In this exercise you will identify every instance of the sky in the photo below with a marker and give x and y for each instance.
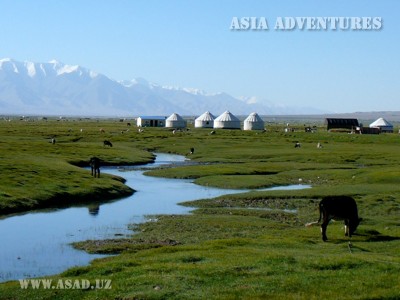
(191, 44)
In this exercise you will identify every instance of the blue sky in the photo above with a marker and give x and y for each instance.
(190, 44)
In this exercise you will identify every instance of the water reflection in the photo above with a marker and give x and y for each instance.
(38, 243)
(94, 209)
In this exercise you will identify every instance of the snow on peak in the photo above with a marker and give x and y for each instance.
(68, 69)
(141, 81)
(9, 64)
(53, 67)
(93, 74)
(138, 81)
(7, 59)
(193, 91)
(54, 62)
(61, 68)
(30, 66)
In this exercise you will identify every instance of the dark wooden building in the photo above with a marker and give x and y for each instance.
(368, 130)
(333, 123)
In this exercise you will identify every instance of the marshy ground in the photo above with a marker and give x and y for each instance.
(244, 246)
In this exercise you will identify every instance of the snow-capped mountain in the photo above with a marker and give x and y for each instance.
(54, 88)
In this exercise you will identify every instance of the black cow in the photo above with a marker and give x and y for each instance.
(107, 143)
(338, 208)
(94, 163)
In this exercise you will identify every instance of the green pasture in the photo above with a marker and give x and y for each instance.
(252, 245)
(37, 174)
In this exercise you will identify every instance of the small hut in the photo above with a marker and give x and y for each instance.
(151, 121)
(206, 120)
(382, 124)
(175, 121)
(253, 122)
(227, 121)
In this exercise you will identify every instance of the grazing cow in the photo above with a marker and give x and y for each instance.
(297, 145)
(191, 150)
(338, 208)
(53, 141)
(94, 163)
(107, 143)
(212, 132)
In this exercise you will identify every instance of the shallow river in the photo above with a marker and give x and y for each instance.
(38, 243)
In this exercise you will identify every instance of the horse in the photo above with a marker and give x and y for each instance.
(94, 163)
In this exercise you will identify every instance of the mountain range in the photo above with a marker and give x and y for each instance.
(54, 88)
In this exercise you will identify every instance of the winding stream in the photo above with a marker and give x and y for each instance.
(38, 243)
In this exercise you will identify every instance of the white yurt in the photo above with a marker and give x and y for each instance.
(175, 121)
(206, 120)
(227, 121)
(253, 122)
(382, 124)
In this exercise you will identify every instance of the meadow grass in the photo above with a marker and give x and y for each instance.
(38, 174)
(252, 245)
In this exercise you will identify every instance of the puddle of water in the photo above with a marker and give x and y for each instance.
(38, 243)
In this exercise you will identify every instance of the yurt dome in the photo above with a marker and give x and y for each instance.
(206, 120)
(175, 121)
(253, 122)
(227, 121)
(382, 124)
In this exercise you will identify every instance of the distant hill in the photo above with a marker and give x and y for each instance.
(54, 88)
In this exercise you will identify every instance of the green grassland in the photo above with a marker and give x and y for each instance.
(37, 174)
(252, 245)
